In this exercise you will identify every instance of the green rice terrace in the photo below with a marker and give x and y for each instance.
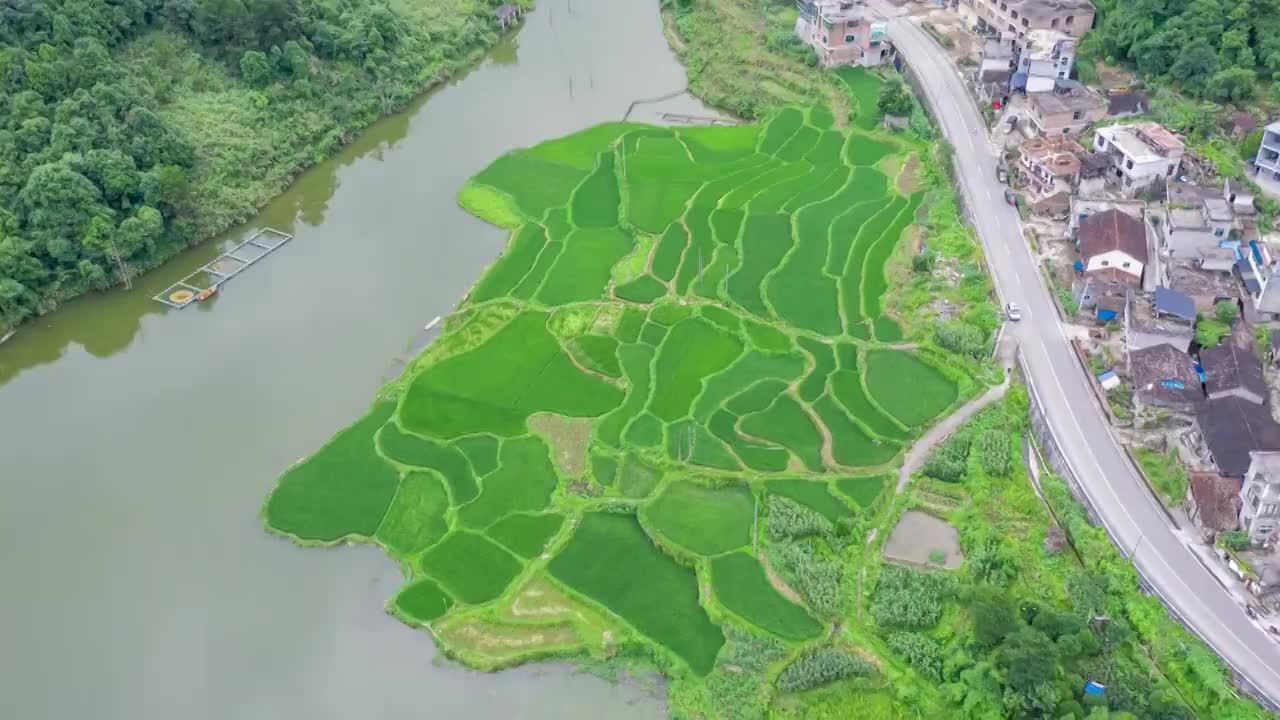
(674, 396)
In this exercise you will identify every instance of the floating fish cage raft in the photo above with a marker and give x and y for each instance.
(203, 283)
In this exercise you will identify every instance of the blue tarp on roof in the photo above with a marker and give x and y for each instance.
(1106, 374)
(1106, 315)
(1175, 303)
(1018, 81)
(1078, 265)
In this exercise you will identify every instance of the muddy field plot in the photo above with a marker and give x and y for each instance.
(922, 539)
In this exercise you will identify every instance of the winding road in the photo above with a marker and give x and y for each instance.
(1127, 509)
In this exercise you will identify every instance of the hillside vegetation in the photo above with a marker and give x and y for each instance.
(1224, 50)
(132, 128)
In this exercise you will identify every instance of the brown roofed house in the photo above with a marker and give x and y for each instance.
(1164, 376)
(1113, 247)
(1230, 370)
(1233, 427)
(1213, 501)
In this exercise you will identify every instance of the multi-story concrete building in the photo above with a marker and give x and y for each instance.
(1258, 271)
(1197, 219)
(1142, 154)
(1267, 164)
(1068, 109)
(1050, 164)
(1073, 17)
(842, 32)
(1260, 511)
(1041, 59)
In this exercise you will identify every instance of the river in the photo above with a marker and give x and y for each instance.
(137, 443)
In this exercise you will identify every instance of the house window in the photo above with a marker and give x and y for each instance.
(1063, 75)
(1125, 264)
(1066, 130)
(1106, 263)
(1129, 164)
(1077, 115)
(1015, 14)
(1101, 142)
(850, 38)
(1054, 23)
(1172, 166)
(824, 39)
(1071, 19)
(1025, 23)
(1218, 232)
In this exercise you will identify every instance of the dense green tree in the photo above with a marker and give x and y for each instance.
(99, 173)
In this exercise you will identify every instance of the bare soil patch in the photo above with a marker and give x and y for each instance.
(569, 438)
(502, 640)
(909, 180)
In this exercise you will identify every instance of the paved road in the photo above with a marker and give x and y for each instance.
(1127, 509)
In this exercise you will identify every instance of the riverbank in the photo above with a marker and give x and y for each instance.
(230, 128)
(194, 413)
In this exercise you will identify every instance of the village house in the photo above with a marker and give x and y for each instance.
(1042, 58)
(1068, 109)
(1200, 219)
(1233, 371)
(1257, 272)
(1113, 247)
(1165, 377)
(843, 33)
(1073, 17)
(1165, 316)
(1142, 155)
(1267, 163)
(1260, 509)
(1213, 501)
(995, 66)
(1205, 286)
(1050, 164)
(1232, 428)
(1094, 171)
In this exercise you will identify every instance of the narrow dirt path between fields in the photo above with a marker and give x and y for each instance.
(920, 450)
(778, 583)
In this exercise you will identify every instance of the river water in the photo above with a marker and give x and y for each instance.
(137, 443)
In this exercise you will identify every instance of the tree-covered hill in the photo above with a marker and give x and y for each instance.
(132, 128)
(1213, 49)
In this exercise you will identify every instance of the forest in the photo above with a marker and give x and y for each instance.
(1222, 50)
(130, 129)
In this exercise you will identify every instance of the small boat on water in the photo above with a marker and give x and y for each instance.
(207, 293)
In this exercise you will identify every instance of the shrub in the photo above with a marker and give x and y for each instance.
(961, 339)
(949, 460)
(1226, 311)
(993, 452)
(814, 576)
(1070, 305)
(922, 653)
(819, 666)
(895, 98)
(924, 262)
(749, 651)
(1235, 539)
(907, 598)
(788, 519)
(1210, 332)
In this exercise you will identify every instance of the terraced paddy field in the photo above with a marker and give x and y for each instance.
(680, 362)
